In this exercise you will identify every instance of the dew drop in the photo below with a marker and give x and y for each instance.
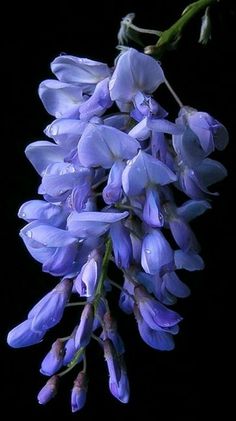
(23, 214)
(161, 218)
(147, 251)
(29, 234)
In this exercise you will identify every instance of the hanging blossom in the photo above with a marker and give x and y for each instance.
(134, 160)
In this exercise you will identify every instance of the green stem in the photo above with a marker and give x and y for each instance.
(103, 275)
(84, 363)
(173, 34)
(78, 303)
(73, 363)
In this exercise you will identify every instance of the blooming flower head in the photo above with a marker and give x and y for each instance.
(109, 172)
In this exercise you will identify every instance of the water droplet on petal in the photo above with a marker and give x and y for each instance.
(23, 214)
(29, 234)
(147, 251)
(161, 218)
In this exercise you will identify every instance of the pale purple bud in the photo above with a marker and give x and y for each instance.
(84, 331)
(49, 390)
(54, 359)
(112, 361)
(120, 390)
(79, 392)
(49, 311)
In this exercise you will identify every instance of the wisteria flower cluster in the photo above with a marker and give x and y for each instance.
(110, 174)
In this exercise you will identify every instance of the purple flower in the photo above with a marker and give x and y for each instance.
(54, 359)
(209, 132)
(95, 224)
(112, 193)
(49, 311)
(53, 247)
(49, 390)
(155, 314)
(156, 252)
(98, 103)
(107, 184)
(69, 349)
(79, 392)
(156, 338)
(84, 331)
(23, 335)
(81, 71)
(112, 360)
(102, 145)
(143, 171)
(39, 210)
(85, 283)
(126, 301)
(121, 244)
(121, 389)
(61, 99)
(134, 72)
(110, 332)
(152, 213)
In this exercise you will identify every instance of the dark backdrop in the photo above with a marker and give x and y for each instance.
(193, 379)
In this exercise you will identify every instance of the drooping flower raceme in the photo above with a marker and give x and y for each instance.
(134, 161)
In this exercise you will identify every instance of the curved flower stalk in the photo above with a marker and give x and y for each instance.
(134, 160)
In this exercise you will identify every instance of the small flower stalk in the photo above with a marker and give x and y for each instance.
(108, 189)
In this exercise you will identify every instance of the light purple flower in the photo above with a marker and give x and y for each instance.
(84, 331)
(155, 314)
(86, 281)
(156, 252)
(156, 338)
(144, 170)
(54, 359)
(61, 99)
(23, 335)
(79, 392)
(121, 389)
(121, 244)
(49, 391)
(49, 310)
(81, 71)
(88, 224)
(134, 72)
(102, 145)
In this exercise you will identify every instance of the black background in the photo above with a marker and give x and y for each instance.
(194, 379)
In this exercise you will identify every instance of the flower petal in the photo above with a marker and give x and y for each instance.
(142, 170)
(175, 286)
(101, 145)
(43, 153)
(192, 209)
(69, 68)
(86, 224)
(61, 99)
(134, 72)
(43, 211)
(156, 252)
(188, 261)
(22, 335)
